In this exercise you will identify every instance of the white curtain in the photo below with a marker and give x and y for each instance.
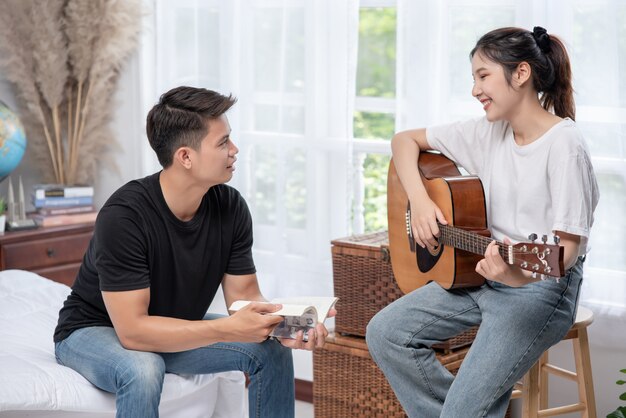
(292, 64)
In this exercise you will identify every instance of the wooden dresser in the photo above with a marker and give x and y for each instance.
(53, 252)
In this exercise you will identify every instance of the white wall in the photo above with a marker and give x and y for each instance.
(129, 128)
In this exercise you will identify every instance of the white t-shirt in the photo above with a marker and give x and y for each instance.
(545, 186)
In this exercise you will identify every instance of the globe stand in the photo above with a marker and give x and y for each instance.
(16, 212)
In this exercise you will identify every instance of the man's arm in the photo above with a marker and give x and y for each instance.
(137, 330)
(243, 287)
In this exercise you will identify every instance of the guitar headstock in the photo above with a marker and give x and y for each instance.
(545, 259)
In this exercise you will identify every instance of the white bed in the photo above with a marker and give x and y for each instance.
(32, 383)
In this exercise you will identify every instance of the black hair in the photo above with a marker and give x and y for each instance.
(180, 119)
(548, 60)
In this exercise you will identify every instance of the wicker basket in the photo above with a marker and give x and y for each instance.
(347, 383)
(364, 283)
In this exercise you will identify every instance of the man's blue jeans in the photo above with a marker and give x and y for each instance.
(136, 377)
(516, 326)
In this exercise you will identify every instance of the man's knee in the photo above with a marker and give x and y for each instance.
(270, 356)
(277, 354)
(146, 370)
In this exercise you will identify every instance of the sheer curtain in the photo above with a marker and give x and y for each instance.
(293, 66)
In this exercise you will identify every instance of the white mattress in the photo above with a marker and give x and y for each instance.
(32, 382)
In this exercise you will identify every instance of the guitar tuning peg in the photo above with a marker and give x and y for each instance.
(544, 238)
(532, 237)
(557, 239)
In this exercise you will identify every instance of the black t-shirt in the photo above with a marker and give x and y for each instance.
(138, 243)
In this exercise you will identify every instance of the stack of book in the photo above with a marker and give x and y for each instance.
(58, 204)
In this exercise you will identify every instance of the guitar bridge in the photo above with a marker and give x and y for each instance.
(409, 230)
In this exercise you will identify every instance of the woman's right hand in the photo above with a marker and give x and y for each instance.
(424, 216)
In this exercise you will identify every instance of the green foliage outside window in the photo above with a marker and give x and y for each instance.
(375, 172)
(372, 125)
(376, 71)
(376, 77)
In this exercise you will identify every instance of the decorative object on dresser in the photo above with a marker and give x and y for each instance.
(64, 59)
(12, 141)
(16, 211)
(59, 204)
(55, 252)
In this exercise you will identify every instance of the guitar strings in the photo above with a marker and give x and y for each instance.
(474, 240)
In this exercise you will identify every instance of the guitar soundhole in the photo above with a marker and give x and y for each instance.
(427, 258)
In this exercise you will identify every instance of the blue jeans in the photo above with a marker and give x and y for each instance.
(136, 377)
(516, 326)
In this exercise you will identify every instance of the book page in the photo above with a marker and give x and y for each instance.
(286, 310)
(322, 304)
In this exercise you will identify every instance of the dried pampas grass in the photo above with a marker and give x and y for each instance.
(64, 59)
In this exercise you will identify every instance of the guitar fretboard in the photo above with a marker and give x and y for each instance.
(470, 241)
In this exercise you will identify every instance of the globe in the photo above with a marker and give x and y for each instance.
(12, 141)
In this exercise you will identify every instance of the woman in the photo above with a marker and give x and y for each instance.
(537, 176)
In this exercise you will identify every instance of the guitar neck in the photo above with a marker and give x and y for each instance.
(471, 241)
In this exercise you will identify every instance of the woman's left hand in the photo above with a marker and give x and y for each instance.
(494, 268)
(316, 337)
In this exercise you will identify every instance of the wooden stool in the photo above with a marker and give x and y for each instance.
(534, 388)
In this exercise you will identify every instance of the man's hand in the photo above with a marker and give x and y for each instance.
(316, 337)
(252, 324)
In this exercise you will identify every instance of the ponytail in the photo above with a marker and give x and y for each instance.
(559, 96)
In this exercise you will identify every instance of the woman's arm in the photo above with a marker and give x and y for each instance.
(405, 148)
(494, 268)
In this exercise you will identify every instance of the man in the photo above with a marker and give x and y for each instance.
(162, 245)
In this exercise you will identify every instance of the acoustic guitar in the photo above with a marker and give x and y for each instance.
(463, 241)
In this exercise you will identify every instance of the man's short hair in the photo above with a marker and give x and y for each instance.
(181, 119)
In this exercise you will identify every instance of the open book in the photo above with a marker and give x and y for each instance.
(301, 314)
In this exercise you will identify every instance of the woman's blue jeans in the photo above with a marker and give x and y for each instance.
(136, 377)
(516, 326)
